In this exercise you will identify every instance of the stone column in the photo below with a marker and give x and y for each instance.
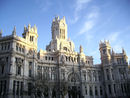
(88, 91)
(42, 72)
(10, 88)
(50, 92)
(93, 89)
(110, 74)
(112, 89)
(92, 75)
(105, 77)
(98, 89)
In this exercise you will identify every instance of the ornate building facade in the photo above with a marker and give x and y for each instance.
(59, 71)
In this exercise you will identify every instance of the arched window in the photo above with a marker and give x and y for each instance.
(65, 48)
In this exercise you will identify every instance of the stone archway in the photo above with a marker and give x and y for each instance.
(73, 89)
(73, 77)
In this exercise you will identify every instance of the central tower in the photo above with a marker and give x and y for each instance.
(59, 41)
(59, 29)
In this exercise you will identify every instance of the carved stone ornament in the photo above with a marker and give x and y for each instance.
(2, 61)
(19, 62)
(122, 71)
(63, 59)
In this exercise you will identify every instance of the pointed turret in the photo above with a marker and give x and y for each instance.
(14, 31)
(0, 33)
(81, 49)
(29, 27)
(123, 51)
(25, 28)
(113, 52)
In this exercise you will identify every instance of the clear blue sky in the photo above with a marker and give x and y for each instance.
(89, 21)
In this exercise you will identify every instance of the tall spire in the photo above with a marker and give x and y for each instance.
(123, 51)
(81, 49)
(29, 27)
(14, 31)
(113, 51)
(0, 33)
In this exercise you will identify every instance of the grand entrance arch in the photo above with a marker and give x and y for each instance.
(74, 86)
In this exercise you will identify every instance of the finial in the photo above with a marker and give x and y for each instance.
(57, 18)
(29, 26)
(64, 18)
(81, 49)
(14, 31)
(25, 28)
(35, 26)
(108, 41)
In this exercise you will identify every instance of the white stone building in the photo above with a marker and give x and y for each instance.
(59, 70)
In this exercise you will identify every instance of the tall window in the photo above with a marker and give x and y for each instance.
(101, 91)
(115, 88)
(107, 73)
(17, 91)
(31, 38)
(18, 70)
(90, 91)
(21, 89)
(86, 90)
(30, 69)
(2, 69)
(104, 51)
(1, 83)
(109, 89)
(14, 84)
(96, 92)
(63, 74)
(29, 88)
(3, 87)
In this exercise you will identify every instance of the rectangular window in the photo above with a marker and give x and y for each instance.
(86, 90)
(1, 84)
(17, 92)
(30, 38)
(16, 48)
(20, 49)
(23, 50)
(29, 88)
(96, 92)
(2, 47)
(101, 91)
(19, 70)
(45, 57)
(115, 88)
(30, 69)
(52, 58)
(4, 87)
(2, 70)
(14, 83)
(109, 88)
(90, 90)
(8, 46)
(21, 90)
